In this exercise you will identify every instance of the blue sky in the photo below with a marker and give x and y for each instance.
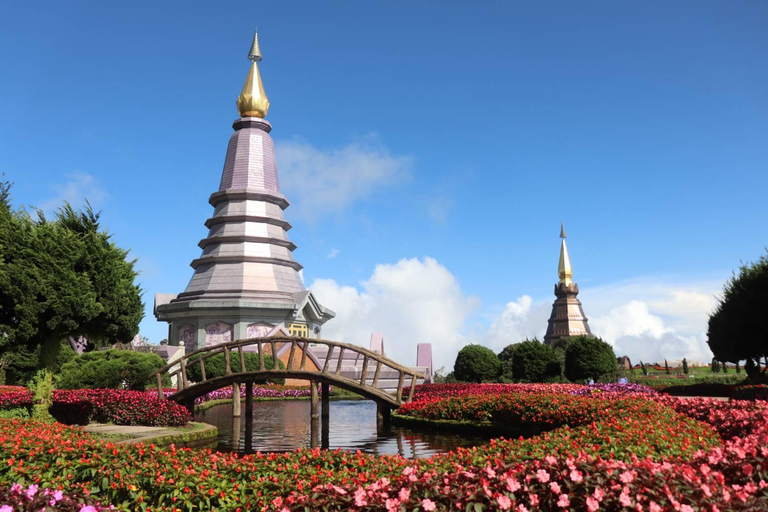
(429, 152)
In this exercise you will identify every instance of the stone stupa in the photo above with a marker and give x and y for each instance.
(246, 282)
(567, 318)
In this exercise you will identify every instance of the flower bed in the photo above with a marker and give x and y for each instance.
(121, 407)
(448, 390)
(32, 497)
(258, 392)
(703, 455)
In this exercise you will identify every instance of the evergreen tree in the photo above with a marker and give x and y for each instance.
(685, 366)
(666, 366)
(60, 278)
(715, 365)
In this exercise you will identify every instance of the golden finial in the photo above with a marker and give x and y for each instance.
(253, 101)
(564, 268)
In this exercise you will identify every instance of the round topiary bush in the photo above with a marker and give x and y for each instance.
(535, 362)
(588, 358)
(476, 363)
(215, 366)
(113, 369)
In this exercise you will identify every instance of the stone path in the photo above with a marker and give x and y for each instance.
(139, 434)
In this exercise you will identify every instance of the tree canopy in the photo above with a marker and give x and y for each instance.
(533, 361)
(60, 278)
(738, 328)
(588, 358)
(476, 363)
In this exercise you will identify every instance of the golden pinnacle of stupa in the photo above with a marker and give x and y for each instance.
(253, 101)
(564, 268)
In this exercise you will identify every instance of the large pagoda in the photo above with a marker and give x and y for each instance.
(246, 282)
(567, 318)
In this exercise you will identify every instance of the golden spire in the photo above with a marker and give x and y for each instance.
(564, 269)
(253, 101)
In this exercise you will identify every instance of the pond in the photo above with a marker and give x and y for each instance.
(284, 425)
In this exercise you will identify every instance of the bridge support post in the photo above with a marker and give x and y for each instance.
(236, 400)
(326, 398)
(313, 395)
(383, 415)
(249, 416)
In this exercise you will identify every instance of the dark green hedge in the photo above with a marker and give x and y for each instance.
(111, 369)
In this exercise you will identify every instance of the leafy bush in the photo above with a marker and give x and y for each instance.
(16, 412)
(476, 363)
(588, 358)
(215, 366)
(42, 389)
(505, 357)
(535, 362)
(111, 369)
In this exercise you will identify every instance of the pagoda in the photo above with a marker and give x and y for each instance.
(567, 318)
(246, 282)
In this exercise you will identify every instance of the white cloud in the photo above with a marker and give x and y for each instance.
(333, 253)
(413, 301)
(78, 187)
(416, 301)
(439, 208)
(326, 181)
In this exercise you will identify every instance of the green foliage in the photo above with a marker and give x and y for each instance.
(17, 412)
(685, 366)
(535, 362)
(42, 398)
(215, 366)
(666, 367)
(588, 358)
(60, 278)
(505, 358)
(476, 363)
(738, 328)
(716, 365)
(642, 367)
(440, 377)
(110, 369)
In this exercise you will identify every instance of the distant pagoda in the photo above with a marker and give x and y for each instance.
(567, 318)
(246, 282)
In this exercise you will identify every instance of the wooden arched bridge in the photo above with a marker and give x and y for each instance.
(299, 362)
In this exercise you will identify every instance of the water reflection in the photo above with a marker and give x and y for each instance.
(280, 426)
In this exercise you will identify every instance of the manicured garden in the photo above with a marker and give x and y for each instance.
(602, 447)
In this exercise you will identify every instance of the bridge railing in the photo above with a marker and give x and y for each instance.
(296, 365)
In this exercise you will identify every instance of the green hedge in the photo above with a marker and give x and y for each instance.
(476, 363)
(111, 369)
(215, 366)
(587, 357)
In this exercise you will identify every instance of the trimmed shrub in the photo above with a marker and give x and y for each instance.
(535, 362)
(215, 366)
(505, 357)
(476, 363)
(111, 369)
(588, 358)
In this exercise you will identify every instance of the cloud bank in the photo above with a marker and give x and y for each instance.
(419, 300)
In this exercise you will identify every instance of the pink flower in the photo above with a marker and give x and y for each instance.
(542, 476)
(576, 476)
(592, 504)
(563, 502)
(392, 505)
(626, 477)
(625, 500)
(512, 484)
(428, 505)
(747, 469)
(31, 491)
(6, 508)
(404, 494)
(88, 508)
(654, 507)
(550, 459)
(522, 508)
(504, 502)
(598, 494)
(360, 496)
(58, 496)
(554, 487)
(686, 508)
(534, 499)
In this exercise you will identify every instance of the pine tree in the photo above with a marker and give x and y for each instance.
(685, 366)
(715, 366)
(666, 366)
